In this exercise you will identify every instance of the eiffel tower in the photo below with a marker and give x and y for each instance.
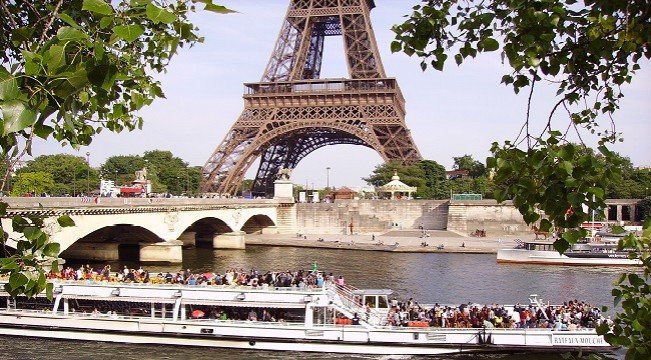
(292, 112)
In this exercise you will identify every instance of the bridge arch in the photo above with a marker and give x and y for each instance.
(257, 223)
(157, 227)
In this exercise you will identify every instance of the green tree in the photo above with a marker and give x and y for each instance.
(166, 169)
(69, 172)
(71, 69)
(121, 168)
(474, 167)
(645, 207)
(35, 183)
(437, 185)
(588, 51)
(412, 175)
(193, 179)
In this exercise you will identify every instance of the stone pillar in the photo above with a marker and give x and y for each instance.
(284, 191)
(94, 251)
(167, 251)
(632, 212)
(269, 230)
(188, 239)
(231, 240)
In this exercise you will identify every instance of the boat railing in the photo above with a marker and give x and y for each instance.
(347, 298)
(186, 286)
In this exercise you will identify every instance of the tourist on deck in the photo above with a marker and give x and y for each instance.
(253, 316)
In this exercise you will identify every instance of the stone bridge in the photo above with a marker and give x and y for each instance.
(151, 230)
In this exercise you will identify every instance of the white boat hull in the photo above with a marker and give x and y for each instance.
(274, 337)
(523, 256)
(167, 322)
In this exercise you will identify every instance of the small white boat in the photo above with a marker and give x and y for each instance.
(313, 320)
(594, 252)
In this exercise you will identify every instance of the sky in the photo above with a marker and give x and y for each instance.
(459, 111)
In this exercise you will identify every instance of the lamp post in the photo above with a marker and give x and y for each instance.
(145, 178)
(328, 177)
(88, 173)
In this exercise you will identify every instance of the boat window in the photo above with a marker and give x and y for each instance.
(370, 300)
(383, 303)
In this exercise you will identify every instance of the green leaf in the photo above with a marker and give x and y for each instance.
(98, 7)
(17, 116)
(458, 59)
(561, 245)
(157, 15)
(32, 233)
(8, 85)
(489, 44)
(42, 131)
(571, 236)
(217, 8)
(49, 289)
(68, 19)
(23, 34)
(52, 249)
(32, 62)
(395, 46)
(8, 264)
(106, 22)
(65, 221)
(128, 33)
(16, 280)
(67, 33)
(57, 57)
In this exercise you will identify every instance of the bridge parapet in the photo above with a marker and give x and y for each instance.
(55, 206)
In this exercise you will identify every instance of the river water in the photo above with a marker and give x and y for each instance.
(427, 277)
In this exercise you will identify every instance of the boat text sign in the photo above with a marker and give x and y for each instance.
(587, 340)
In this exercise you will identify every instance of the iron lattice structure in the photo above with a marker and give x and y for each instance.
(292, 112)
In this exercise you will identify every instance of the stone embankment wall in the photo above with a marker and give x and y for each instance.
(380, 216)
(370, 216)
(495, 219)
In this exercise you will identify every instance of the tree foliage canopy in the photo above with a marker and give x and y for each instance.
(71, 174)
(588, 50)
(71, 69)
(35, 183)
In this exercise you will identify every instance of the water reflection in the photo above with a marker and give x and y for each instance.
(429, 277)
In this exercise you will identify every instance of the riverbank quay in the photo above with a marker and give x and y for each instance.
(394, 241)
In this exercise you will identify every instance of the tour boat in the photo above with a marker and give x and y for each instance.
(598, 251)
(306, 320)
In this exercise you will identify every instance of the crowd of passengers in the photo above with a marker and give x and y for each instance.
(300, 279)
(571, 315)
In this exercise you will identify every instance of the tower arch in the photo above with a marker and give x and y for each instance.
(292, 111)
